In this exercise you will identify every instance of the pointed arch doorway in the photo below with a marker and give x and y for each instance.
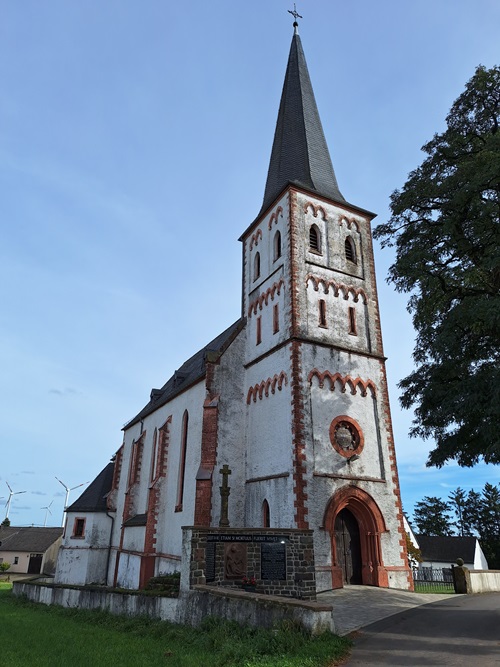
(355, 524)
(348, 547)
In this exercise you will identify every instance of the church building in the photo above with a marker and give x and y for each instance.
(292, 397)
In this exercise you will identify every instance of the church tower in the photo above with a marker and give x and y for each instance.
(319, 445)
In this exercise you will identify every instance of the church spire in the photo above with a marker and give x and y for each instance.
(299, 154)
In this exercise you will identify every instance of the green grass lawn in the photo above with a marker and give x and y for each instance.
(33, 635)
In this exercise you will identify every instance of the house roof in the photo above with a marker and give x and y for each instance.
(190, 372)
(28, 539)
(93, 499)
(447, 549)
(137, 520)
(299, 154)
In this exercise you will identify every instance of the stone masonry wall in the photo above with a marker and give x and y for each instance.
(212, 549)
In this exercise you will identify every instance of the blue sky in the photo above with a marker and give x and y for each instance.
(134, 145)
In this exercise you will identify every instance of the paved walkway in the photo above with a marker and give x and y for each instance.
(357, 606)
(461, 631)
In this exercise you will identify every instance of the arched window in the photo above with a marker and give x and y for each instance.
(266, 515)
(277, 245)
(256, 266)
(314, 239)
(322, 313)
(182, 462)
(350, 250)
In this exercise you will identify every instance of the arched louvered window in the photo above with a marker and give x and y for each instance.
(256, 266)
(277, 245)
(266, 515)
(350, 250)
(314, 239)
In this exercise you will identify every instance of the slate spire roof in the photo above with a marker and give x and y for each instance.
(299, 154)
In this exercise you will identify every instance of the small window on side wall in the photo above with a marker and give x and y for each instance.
(350, 250)
(277, 245)
(314, 239)
(79, 528)
(256, 266)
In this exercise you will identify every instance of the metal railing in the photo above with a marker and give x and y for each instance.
(433, 580)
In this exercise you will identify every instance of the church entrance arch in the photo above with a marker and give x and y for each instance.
(348, 547)
(355, 524)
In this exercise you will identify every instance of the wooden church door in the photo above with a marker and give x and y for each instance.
(348, 546)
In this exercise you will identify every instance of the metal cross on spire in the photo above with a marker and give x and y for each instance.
(295, 15)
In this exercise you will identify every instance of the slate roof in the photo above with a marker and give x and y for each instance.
(31, 539)
(447, 549)
(93, 499)
(300, 154)
(190, 372)
(137, 520)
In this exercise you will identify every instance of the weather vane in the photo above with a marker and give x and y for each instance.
(295, 15)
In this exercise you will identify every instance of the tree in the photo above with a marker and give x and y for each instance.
(471, 514)
(414, 554)
(458, 504)
(445, 226)
(5, 522)
(432, 517)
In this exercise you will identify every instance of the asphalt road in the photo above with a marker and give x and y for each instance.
(460, 630)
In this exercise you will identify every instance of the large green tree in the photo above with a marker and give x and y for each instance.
(445, 227)
(432, 517)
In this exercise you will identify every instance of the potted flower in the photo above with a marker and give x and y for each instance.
(248, 583)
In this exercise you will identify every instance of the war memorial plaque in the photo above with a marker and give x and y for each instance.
(273, 561)
(210, 562)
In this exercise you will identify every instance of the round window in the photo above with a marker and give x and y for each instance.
(346, 436)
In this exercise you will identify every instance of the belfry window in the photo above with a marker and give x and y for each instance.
(314, 239)
(350, 250)
(322, 313)
(256, 266)
(277, 245)
(352, 321)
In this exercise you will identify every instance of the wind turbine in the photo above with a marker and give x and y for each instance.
(68, 489)
(11, 493)
(47, 511)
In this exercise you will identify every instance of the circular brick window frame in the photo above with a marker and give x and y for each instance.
(347, 453)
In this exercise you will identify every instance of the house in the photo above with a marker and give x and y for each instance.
(290, 400)
(30, 550)
(442, 552)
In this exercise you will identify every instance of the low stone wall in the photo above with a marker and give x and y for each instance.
(484, 581)
(191, 607)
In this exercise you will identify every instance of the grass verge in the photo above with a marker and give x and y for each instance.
(42, 636)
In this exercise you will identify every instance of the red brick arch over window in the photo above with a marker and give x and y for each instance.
(371, 525)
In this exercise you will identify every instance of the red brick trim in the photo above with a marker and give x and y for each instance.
(203, 497)
(315, 210)
(343, 380)
(337, 288)
(263, 298)
(274, 217)
(350, 222)
(298, 439)
(154, 492)
(255, 238)
(258, 390)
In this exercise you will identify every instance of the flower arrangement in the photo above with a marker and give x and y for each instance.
(248, 581)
